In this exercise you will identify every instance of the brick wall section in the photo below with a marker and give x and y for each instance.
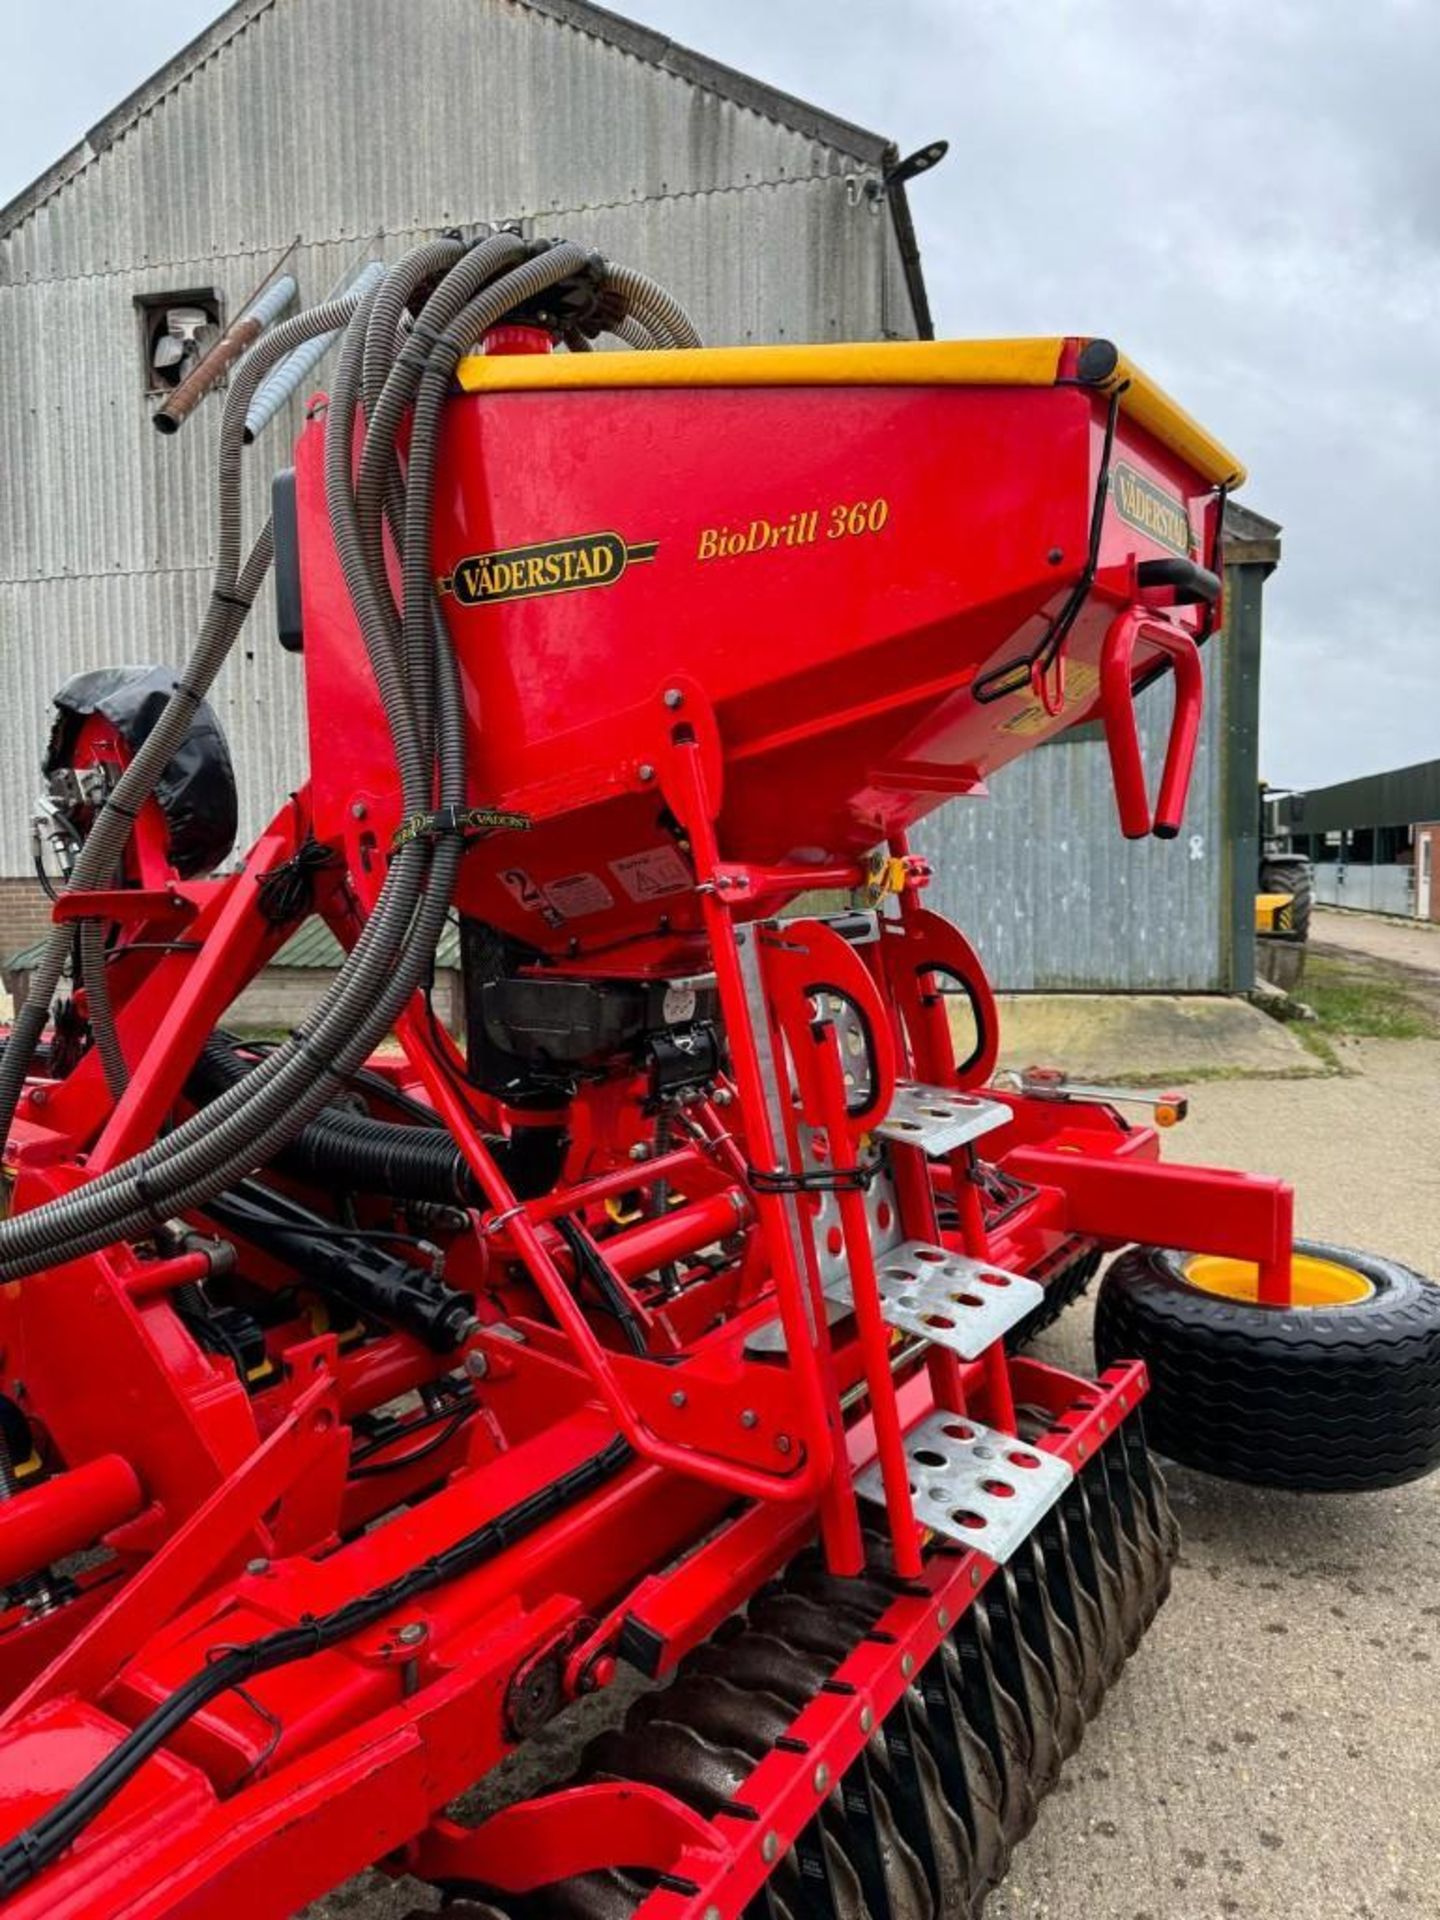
(278, 1000)
(24, 915)
(281, 997)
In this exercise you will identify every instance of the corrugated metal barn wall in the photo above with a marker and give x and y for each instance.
(358, 124)
(1040, 879)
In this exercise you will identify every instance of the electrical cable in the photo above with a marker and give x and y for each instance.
(32, 1850)
(590, 1264)
(363, 1468)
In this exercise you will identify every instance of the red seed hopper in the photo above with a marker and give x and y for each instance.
(873, 575)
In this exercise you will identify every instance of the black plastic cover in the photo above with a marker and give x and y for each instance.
(196, 792)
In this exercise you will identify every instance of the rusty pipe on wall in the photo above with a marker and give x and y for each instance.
(235, 341)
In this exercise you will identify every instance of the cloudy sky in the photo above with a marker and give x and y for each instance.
(1246, 196)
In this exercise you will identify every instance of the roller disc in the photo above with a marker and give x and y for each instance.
(923, 1823)
(999, 1722)
(1099, 1579)
(1054, 1642)
(1025, 1677)
(1106, 1497)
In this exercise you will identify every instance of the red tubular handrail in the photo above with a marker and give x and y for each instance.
(1122, 736)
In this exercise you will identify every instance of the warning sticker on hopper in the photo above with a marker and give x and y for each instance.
(568, 899)
(1081, 680)
(652, 874)
(578, 894)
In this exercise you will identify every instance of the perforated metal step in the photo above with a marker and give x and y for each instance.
(939, 1119)
(972, 1484)
(945, 1297)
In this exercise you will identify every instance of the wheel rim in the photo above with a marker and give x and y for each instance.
(1314, 1283)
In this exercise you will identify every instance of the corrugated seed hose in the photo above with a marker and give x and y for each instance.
(389, 372)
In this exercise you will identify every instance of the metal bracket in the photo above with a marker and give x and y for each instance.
(974, 1485)
(939, 1119)
(946, 1298)
(1051, 1083)
(770, 1338)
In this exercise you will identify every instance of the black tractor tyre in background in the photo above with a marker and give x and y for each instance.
(1319, 1399)
(1292, 874)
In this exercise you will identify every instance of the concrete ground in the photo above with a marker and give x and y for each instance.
(1272, 1752)
(1410, 945)
(1147, 1037)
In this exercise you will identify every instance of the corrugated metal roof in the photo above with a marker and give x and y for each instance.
(1404, 797)
(624, 36)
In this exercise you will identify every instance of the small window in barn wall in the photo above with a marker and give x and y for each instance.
(177, 330)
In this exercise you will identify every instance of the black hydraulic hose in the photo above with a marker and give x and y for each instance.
(401, 1159)
(41, 1843)
(590, 1264)
(373, 1279)
(353, 1149)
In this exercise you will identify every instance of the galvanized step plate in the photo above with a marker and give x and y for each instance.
(945, 1297)
(984, 1489)
(939, 1119)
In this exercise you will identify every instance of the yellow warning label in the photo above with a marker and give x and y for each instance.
(1081, 680)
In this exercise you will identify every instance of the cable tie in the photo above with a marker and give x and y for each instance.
(501, 1220)
(148, 1198)
(856, 1179)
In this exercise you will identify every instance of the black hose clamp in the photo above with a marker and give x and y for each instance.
(465, 823)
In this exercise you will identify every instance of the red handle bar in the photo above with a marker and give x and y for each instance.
(1122, 736)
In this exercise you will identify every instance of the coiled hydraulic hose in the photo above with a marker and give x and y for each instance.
(353, 1149)
(376, 981)
(416, 672)
(101, 1013)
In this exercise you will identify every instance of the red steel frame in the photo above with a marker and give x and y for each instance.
(227, 1513)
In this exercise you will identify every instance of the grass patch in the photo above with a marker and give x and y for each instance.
(1352, 998)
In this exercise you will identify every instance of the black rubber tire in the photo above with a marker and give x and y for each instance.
(1292, 874)
(1324, 1400)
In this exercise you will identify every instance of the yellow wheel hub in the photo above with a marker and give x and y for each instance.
(1313, 1282)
